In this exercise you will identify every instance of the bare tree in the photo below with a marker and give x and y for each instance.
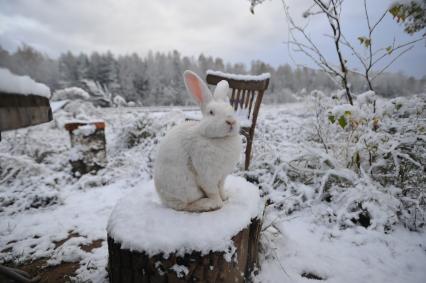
(374, 63)
(300, 41)
(375, 56)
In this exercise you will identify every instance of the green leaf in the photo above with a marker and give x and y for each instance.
(394, 10)
(342, 122)
(348, 113)
(364, 41)
(367, 42)
(331, 118)
(389, 49)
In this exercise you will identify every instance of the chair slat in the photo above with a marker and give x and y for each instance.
(247, 99)
(253, 94)
(232, 97)
(237, 99)
(245, 95)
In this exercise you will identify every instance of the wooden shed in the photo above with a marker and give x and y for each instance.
(23, 102)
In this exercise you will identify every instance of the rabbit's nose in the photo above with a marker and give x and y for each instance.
(230, 122)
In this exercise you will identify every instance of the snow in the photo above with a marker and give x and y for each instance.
(77, 152)
(77, 111)
(335, 255)
(85, 130)
(56, 105)
(180, 270)
(242, 116)
(119, 101)
(70, 93)
(222, 87)
(140, 222)
(11, 83)
(260, 77)
(366, 97)
(42, 203)
(340, 110)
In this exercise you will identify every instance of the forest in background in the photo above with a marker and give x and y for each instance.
(156, 79)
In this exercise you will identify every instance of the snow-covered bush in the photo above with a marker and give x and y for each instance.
(139, 131)
(119, 101)
(379, 139)
(24, 185)
(364, 164)
(71, 93)
(100, 94)
(144, 129)
(76, 110)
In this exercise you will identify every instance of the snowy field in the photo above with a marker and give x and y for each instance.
(47, 213)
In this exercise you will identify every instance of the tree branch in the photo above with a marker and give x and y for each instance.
(391, 62)
(396, 48)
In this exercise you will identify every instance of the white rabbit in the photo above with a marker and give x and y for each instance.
(195, 157)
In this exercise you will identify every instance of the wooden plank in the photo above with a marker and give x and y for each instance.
(251, 101)
(18, 111)
(237, 99)
(232, 97)
(239, 84)
(246, 102)
(243, 95)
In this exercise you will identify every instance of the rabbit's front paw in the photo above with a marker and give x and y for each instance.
(223, 195)
(205, 204)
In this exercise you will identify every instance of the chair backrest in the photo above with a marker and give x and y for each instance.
(247, 91)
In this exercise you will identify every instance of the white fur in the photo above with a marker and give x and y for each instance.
(194, 158)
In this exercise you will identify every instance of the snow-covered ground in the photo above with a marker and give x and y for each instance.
(41, 203)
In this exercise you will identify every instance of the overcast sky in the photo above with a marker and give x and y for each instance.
(220, 28)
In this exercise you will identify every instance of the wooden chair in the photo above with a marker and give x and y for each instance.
(246, 97)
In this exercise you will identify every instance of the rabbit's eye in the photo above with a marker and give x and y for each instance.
(211, 112)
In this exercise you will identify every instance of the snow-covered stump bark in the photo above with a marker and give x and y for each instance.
(132, 266)
(88, 146)
(149, 242)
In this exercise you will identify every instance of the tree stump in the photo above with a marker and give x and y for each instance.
(88, 146)
(148, 242)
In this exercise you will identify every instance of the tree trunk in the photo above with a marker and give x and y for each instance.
(133, 266)
(92, 146)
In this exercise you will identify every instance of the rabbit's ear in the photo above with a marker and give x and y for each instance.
(221, 91)
(197, 88)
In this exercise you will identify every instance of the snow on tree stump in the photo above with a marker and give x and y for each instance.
(88, 147)
(148, 242)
